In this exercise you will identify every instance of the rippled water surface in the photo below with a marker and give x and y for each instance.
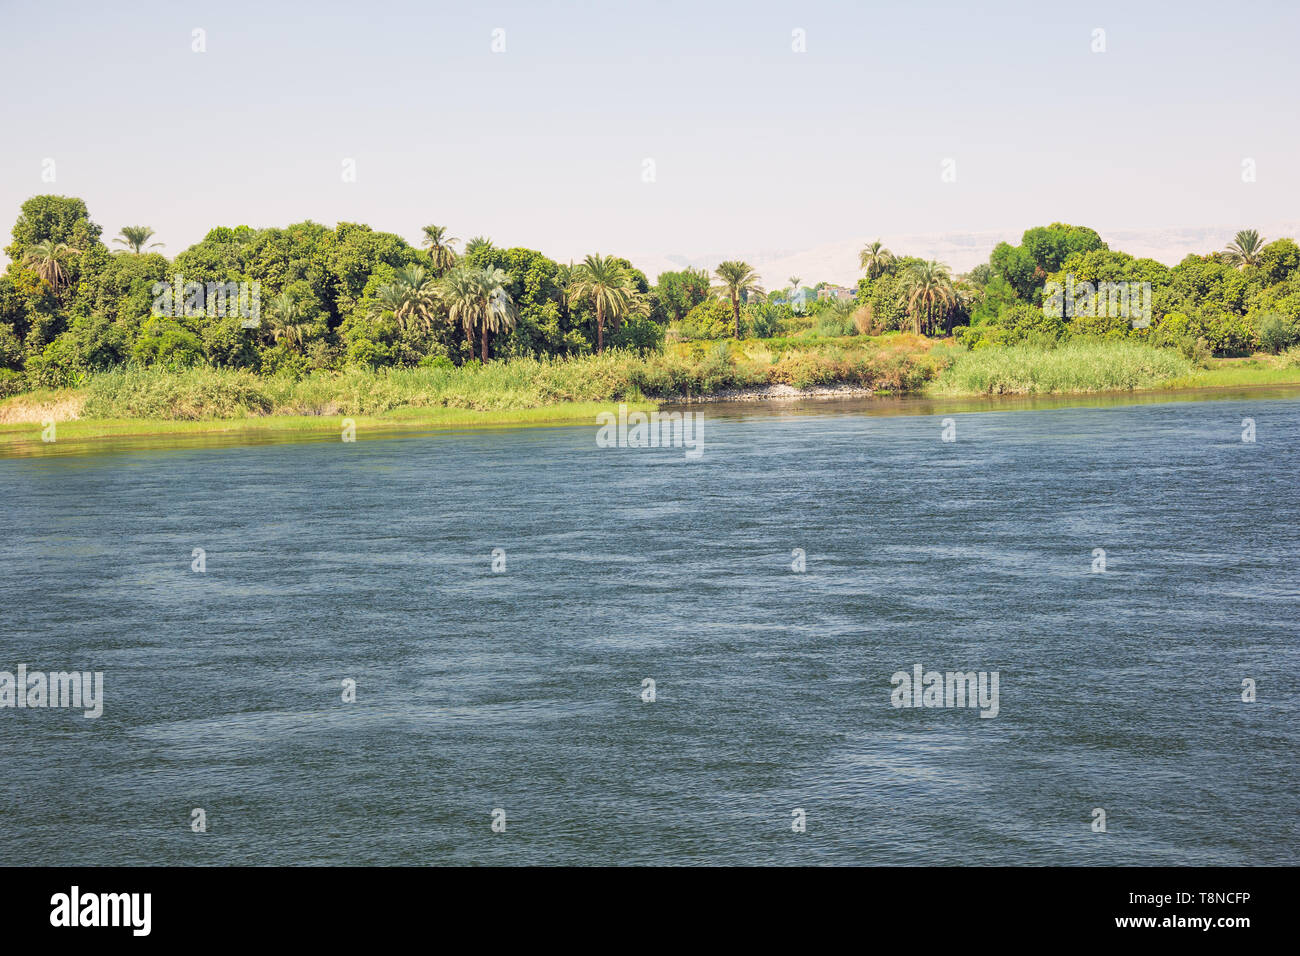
(522, 690)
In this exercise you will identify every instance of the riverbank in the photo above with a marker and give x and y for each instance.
(142, 403)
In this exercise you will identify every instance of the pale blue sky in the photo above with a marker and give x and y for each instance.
(756, 147)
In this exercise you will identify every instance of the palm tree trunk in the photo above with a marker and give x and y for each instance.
(735, 308)
(469, 338)
(484, 343)
(600, 327)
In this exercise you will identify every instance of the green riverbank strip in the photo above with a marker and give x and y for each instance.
(97, 434)
(107, 434)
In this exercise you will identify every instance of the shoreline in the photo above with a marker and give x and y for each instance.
(73, 435)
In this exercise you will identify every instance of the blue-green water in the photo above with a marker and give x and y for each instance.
(521, 690)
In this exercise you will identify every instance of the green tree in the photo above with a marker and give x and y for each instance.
(286, 324)
(476, 297)
(606, 283)
(478, 248)
(738, 280)
(47, 258)
(135, 237)
(1244, 250)
(929, 292)
(62, 219)
(874, 259)
(679, 292)
(441, 248)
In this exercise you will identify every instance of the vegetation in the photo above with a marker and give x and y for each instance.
(1077, 366)
(353, 321)
(738, 281)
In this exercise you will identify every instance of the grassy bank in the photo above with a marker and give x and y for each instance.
(1090, 366)
(15, 434)
(204, 400)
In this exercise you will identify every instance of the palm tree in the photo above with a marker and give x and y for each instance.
(927, 291)
(412, 298)
(1244, 250)
(284, 325)
(604, 281)
(440, 247)
(46, 257)
(738, 279)
(135, 237)
(477, 297)
(479, 244)
(875, 259)
(794, 284)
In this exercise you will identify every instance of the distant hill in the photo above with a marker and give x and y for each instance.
(838, 261)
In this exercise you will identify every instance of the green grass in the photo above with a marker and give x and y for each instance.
(1076, 366)
(19, 437)
(1234, 374)
(1094, 365)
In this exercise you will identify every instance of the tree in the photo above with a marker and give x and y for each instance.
(875, 259)
(412, 298)
(478, 247)
(928, 291)
(476, 297)
(57, 218)
(1042, 251)
(440, 247)
(738, 279)
(679, 292)
(604, 281)
(46, 257)
(135, 237)
(1244, 250)
(285, 313)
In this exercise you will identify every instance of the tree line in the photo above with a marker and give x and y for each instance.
(353, 296)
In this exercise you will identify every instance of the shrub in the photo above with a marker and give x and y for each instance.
(1276, 334)
(11, 382)
(711, 319)
(639, 334)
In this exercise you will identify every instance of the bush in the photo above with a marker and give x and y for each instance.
(1276, 334)
(11, 382)
(768, 321)
(833, 323)
(711, 319)
(639, 334)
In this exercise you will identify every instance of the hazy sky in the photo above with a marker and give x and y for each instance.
(756, 147)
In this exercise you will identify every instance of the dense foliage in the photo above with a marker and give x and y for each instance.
(349, 297)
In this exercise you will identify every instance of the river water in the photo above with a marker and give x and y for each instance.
(522, 689)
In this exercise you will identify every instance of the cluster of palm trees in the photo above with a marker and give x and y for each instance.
(471, 296)
(927, 288)
(48, 258)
